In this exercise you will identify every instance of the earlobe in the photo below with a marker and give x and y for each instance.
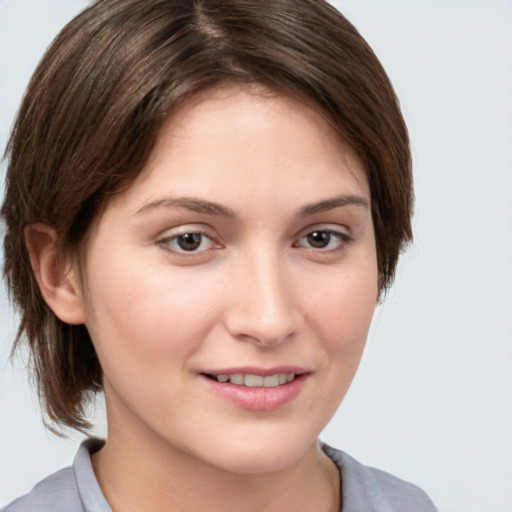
(55, 274)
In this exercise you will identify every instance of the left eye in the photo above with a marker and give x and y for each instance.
(188, 242)
(323, 239)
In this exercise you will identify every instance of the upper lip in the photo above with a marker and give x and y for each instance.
(252, 370)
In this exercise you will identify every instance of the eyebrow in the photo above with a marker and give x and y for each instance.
(211, 208)
(333, 202)
(190, 203)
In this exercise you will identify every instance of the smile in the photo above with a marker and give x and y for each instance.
(263, 390)
(252, 381)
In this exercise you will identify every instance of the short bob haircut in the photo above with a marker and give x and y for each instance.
(94, 109)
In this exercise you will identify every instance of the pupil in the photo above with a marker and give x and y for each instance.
(319, 239)
(189, 241)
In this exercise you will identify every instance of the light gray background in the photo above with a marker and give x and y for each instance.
(432, 402)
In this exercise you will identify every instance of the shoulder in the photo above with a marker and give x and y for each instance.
(73, 489)
(370, 489)
(58, 493)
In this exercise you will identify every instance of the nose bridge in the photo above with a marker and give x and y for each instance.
(263, 308)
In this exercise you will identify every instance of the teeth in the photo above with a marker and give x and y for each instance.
(249, 380)
(254, 380)
(271, 381)
(237, 378)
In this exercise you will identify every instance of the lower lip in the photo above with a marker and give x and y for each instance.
(258, 398)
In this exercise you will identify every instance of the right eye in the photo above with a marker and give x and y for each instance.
(187, 242)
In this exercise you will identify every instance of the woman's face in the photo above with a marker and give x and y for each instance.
(230, 289)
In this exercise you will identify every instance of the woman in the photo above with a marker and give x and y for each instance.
(204, 202)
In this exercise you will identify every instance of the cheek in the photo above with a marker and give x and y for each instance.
(342, 309)
(146, 317)
(340, 312)
(145, 331)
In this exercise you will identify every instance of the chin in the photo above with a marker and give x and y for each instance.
(263, 454)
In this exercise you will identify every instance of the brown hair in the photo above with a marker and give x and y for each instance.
(96, 103)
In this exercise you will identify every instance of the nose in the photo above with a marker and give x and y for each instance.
(263, 301)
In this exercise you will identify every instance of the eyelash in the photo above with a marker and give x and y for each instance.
(172, 243)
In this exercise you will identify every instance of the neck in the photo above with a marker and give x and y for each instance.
(146, 476)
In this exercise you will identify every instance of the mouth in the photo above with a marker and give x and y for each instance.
(252, 380)
(257, 389)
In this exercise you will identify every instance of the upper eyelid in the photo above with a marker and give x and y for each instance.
(334, 228)
(183, 229)
(212, 234)
(340, 234)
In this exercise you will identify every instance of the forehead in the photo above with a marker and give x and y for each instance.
(249, 108)
(245, 140)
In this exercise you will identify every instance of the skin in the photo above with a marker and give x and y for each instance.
(256, 292)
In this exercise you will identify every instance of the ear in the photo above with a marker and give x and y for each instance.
(55, 274)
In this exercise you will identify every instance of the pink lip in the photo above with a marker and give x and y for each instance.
(258, 398)
(253, 370)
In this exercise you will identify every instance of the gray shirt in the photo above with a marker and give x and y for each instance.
(364, 489)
